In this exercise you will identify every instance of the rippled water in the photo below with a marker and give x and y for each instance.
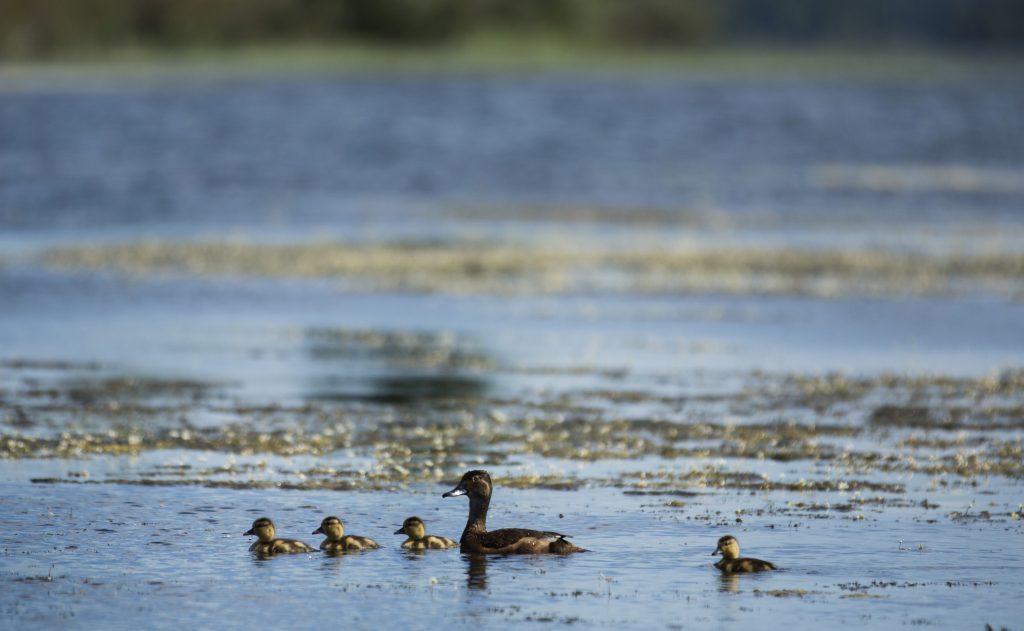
(864, 436)
(349, 155)
(161, 557)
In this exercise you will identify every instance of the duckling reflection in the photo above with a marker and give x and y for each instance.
(268, 544)
(476, 571)
(729, 582)
(416, 530)
(337, 541)
(731, 562)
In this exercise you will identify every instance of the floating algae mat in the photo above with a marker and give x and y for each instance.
(130, 470)
(501, 268)
(860, 488)
(842, 430)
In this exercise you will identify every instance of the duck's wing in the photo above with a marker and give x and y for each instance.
(290, 546)
(757, 565)
(519, 539)
(440, 543)
(744, 565)
(355, 542)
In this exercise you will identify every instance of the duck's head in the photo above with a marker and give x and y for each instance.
(332, 528)
(413, 527)
(474, 484)
(262, 528)
(728, 547)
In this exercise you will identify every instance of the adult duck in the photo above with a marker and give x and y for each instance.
(476, 539)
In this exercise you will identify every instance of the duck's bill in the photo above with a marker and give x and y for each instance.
(318, 531)
(400, 531)
(457, 491)
(716, 552)
(248, 532)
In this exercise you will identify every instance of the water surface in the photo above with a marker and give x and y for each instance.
(333, 294)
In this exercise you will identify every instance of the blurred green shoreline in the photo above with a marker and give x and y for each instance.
(503, 56)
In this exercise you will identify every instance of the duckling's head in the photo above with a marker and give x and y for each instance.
(332, 528)
(413, 527)
(728, 547)
(262, 528)
(474, 484)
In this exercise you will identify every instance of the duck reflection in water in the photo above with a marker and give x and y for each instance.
(729, 583)
(476, 571)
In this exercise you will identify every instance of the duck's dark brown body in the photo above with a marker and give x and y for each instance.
(476, 539)
(515, 541)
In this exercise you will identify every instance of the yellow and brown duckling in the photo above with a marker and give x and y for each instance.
(731, 562)
(268, 543)
(416, 530)
(338, 541)
(477, 540)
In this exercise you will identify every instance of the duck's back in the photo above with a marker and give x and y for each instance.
(349, 543)
(435, 542)
(290, 546)
(518, 541)
(744, 565)
(280, 546)
(430, 542)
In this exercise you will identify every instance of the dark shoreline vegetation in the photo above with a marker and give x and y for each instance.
(500, 55)
(37, 30)
(120, 39)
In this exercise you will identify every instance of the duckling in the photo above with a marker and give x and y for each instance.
(268, 543)
(477, 540)
(338, 541)
(419, 539)
(731, 561)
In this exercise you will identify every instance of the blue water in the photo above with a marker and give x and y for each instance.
(164, 557)
(453, 157)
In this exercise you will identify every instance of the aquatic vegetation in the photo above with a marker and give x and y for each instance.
(472, 267)
(843, 432)
(784, 593)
